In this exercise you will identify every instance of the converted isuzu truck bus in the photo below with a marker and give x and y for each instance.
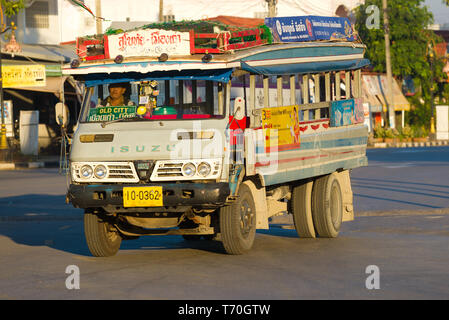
(208, 135)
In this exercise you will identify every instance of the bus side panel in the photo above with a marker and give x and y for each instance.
(320, 153)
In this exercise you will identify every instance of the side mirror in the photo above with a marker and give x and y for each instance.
(62, 114)
(239, 108)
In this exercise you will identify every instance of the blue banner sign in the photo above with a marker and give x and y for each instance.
(309, 28)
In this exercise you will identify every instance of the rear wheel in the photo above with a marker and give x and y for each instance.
(103, 239)
(238, 223)
(327, 206)
(191, 237)
(301, 207)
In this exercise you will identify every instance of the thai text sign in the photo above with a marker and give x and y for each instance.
(149, 42)
(309, 28)
(346, 112)
(281, 124)
(111, 113)
(23, 76)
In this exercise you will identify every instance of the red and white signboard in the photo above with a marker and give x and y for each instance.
(149, 42)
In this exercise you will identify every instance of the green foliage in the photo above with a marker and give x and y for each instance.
(419, 132)
(412, 51)
(391, 133)
(405, 133)
(12, 7)
(409, 38)
(379, 132)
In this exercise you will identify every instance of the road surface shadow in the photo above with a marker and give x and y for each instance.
(46, 220)
(403, 155)
(68, 236)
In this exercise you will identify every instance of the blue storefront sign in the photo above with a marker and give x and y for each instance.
(309, 28)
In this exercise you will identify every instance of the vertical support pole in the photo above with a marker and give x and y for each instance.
(316, 80)
(220, 98)
(337, 86)
(266, 92)
(305, 89)
(305, 95)
(292, 90)
(348, 84)
(99, 25)
(328, 86)
(252, 100)
(228, 98)
(279, 91)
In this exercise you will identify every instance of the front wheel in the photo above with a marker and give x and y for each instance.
(238, 223)
(103, 239)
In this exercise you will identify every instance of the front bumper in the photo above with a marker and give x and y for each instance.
(174, 194)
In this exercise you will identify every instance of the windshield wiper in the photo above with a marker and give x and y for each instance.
(105, 123)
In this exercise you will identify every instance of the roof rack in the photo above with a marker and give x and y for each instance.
(103, 46)
(184, 38)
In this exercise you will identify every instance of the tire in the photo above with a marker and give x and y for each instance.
(238, 223)
(327, 206)
(301, 207)
(103, 240)
(191, 237)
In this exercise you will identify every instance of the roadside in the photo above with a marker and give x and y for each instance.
(47, 161)
(439, 143)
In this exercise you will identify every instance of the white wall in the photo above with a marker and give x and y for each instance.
(49, 35)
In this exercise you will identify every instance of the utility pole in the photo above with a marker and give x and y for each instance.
(271, 8)
(4, 148)
(390, 96)
(98, 15)
(161, 10)
(432, 95)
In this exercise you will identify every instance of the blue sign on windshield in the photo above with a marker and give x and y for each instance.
(309, 28)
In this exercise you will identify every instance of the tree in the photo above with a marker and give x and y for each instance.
(412, 48)
(12, 7)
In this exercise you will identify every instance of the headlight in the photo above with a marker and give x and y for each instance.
(100, 171)
(189, 169)
(86, 171)
(204, 169)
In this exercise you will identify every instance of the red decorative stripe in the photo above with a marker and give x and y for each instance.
(260, 164)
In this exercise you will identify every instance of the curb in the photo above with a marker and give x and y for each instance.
(28, 165)
(408, 144)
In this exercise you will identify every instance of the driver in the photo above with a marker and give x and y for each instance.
(117, 96)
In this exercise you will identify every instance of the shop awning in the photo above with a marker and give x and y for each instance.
(369, 90)
(375, 91)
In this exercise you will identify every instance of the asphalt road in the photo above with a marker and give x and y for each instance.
(402, 179)
(401, 227)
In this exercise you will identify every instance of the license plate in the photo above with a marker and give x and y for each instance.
(142, 197)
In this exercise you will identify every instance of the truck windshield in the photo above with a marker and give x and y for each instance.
(154, 100)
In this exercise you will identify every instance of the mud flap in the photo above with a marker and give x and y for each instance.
(345, 183)
(260, 201)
